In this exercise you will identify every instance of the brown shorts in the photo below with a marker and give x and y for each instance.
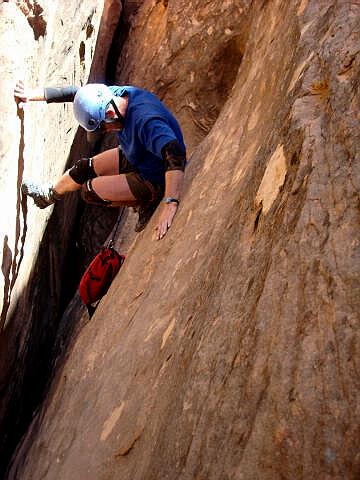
(143, 190)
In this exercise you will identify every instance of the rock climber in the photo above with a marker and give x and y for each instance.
(147, 167)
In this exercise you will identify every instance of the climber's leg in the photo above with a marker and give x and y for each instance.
(109, 190)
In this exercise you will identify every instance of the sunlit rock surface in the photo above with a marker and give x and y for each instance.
(42, 43)
(230, 349)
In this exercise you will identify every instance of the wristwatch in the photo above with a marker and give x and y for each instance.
(171, 200)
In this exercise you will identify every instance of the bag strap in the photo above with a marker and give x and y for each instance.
(112, 239)
(91, 309)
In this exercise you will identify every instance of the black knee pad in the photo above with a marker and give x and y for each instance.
(89, 195)
(82, 170)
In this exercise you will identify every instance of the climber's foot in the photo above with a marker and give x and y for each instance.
(43, 195)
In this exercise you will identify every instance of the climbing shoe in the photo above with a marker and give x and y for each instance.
(43, 195)
(145, 213)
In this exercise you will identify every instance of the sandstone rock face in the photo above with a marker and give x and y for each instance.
(32, 147)
(42, 43)
(230, 349)
(190, 55)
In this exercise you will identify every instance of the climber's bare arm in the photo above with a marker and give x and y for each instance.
(174, 157)
(174, 181)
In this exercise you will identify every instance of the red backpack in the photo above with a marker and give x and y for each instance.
(100, 273)
(97, 278)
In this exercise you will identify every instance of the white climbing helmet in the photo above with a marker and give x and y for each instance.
(90, 104)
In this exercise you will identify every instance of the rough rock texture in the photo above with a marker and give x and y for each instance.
(31, 147)
(230, 349)
(190, 56)
(43, 43)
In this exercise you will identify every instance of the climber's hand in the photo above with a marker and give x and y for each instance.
(165, 220)
(21, 93)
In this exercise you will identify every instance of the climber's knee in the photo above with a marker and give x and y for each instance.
(89, 195)
(82, 170)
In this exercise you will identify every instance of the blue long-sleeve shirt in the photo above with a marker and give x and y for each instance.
(148, 127)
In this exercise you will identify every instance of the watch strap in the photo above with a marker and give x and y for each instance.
(171, 200)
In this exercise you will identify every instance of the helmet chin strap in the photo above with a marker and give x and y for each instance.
(120, 117)
(119, 121)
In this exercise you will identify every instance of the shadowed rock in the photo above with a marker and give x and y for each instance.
(229, 350)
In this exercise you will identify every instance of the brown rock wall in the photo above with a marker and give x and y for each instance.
(42, 43)
(32, 148)
(229, 350)
(190, 54)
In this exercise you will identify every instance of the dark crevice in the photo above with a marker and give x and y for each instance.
(49, 313)
(257, 219)
(129, 9)
(7, 260)
(11, 263)
(38, 315)
(120, 35)
(30, 346)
